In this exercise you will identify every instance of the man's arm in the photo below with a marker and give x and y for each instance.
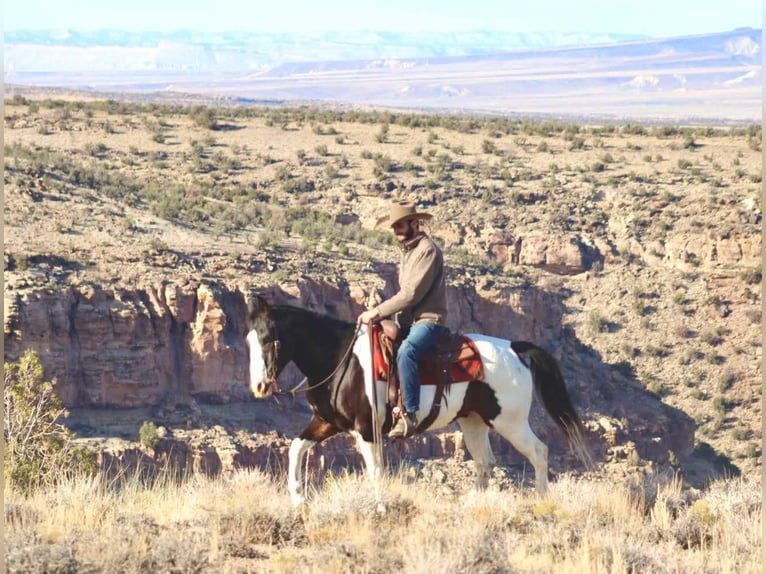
(415, 285)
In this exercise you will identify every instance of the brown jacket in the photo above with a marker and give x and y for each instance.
(422, 294)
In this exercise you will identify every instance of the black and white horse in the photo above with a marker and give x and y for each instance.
(335, 358)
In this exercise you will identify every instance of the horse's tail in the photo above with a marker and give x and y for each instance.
(553, 393)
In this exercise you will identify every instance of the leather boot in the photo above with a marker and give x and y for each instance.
(404, 427)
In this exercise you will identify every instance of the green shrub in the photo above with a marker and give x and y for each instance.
(720, 404)
(597, 323)
(488, 146)
(204, 117)
(752, 276)
(149, 435)
(39, 449)
(382, 136)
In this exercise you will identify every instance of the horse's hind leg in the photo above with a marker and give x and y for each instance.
(316, 431)
(526, 442)
(476, 436)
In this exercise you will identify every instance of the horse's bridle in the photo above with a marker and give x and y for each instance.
(271, 370)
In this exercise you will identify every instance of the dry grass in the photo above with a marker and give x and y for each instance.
(243, 522)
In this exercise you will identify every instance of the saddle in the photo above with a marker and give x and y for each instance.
(455, 358)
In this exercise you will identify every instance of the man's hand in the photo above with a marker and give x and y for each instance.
(368, 316)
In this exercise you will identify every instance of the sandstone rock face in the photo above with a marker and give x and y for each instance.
(562, 254)
(133, 347)
(559, 254)
(698, 250)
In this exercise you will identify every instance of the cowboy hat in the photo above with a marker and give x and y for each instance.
(401, 211)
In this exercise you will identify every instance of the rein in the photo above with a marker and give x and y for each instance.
(342, 362)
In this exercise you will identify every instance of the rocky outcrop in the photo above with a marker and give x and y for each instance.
(132, 347)
(709, 251)
(570, 254)
(562, 254)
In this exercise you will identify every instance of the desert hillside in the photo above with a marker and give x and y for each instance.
(631, 252)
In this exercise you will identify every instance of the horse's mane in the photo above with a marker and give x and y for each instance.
(332, 321)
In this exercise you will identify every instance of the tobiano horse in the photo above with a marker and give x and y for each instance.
(335, 357)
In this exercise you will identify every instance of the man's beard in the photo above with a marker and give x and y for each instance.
(409, 234)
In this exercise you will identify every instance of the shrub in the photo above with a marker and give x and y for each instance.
(488, 146)
(597, 323)
(149, 435)
(576, 144)
(653, 351)
(752, 276)
(204, 117)
(690, 144)
(382, 135)
(720, 404)
(39, 450)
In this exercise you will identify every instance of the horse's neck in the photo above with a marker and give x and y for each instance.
(315, 340)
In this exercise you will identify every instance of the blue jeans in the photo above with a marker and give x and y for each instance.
(421, 338)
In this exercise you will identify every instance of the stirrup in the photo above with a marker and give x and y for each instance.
(404, 427)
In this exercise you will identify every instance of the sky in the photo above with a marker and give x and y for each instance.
(654, 18)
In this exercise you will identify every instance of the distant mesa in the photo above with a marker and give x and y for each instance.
(713, 77)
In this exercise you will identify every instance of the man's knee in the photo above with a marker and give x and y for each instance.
(406, 351)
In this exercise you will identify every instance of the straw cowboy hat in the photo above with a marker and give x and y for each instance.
(401, 211)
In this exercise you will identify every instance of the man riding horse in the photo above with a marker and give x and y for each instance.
(419, 307)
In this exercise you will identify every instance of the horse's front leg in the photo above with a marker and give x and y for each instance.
(372, 454)
(372, 459)
(316, 431)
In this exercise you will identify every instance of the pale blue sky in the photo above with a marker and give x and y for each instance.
(657, 18)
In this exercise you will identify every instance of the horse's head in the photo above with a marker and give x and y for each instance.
(263, 345)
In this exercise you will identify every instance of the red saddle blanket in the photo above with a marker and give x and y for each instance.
(466, 364)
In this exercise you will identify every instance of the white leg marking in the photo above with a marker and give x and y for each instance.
(374, 471)
(298, 450)
(476, 436)
(526, 442)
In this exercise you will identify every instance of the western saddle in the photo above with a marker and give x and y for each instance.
(455, 358)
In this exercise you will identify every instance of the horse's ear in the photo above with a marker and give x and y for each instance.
(257, 306)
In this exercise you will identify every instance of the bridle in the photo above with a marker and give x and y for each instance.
(271, 370)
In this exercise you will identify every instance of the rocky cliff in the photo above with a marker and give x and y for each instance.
(176, 341)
